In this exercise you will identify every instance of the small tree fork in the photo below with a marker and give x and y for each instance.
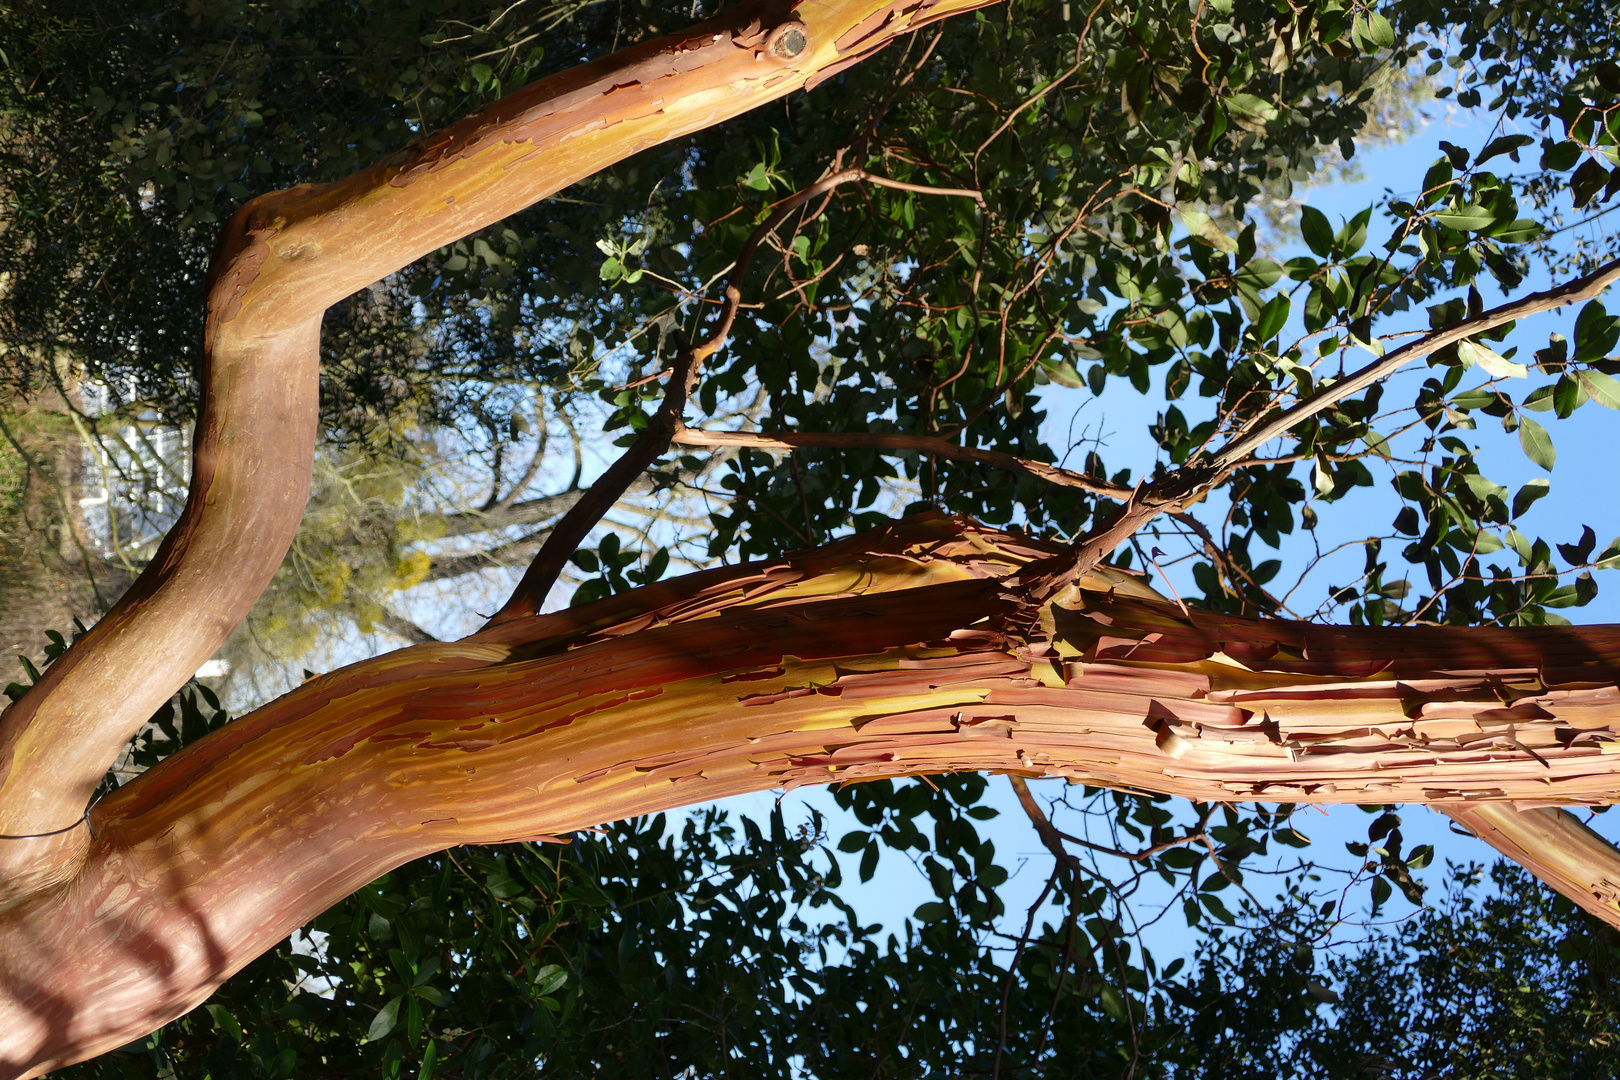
(931, 646)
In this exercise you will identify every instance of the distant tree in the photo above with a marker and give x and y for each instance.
(1499, 978)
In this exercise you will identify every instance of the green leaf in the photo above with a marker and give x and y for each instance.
(282, 1065)
(1348, 240)
(1249, 105)
(1596, 332)
(549, 978)
(1200, 225)
(1471, 352)
(1586, 182)
(1322, 477)
(1527, 496)
(413, 1021)
(1321, 993)
(1272, 318)
(1521, 547)
(1380, 31)
(1438, 177)
(758, 178)
(1568, 395)
(1216, 908)
(1538, 445)
(386, 1020)
(1518, 231)
(1503, 144)
(1260, 274)
(1601, 388)
(1063, 373)
(1561, 156)
(1470, 218)
(1318, 233)
(1113, 1004)
(225, 1021)
(933, 911)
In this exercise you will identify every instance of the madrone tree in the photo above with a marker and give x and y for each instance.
(929, 645)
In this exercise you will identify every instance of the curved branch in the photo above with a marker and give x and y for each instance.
(281, 261)
(666, 423)
(901, 653)
(527, 512)
(1552, 844)
(565, 537)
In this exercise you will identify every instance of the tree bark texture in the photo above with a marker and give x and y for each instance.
(932, 646)
(905, 652)
(281, 261)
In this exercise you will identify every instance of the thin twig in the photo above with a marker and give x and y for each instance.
(780, 214)
(583, 516)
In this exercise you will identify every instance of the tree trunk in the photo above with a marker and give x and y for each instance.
(905, 652)
(931, 646)
(282, 260)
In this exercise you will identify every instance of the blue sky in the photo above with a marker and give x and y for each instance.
(1580, 495)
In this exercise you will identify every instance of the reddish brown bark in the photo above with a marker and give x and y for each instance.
(911, 651)
(283, 259)
(934, 646)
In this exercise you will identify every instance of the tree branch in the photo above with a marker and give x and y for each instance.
(281, 261)
(404, 628)
(609, 488)
(667, 422)
(527, 512)
(1233, 454)
(695, 689)
(1552, 844)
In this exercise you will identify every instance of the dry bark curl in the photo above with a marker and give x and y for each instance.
(281, 261)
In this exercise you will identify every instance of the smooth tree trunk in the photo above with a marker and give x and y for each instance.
(932, 646)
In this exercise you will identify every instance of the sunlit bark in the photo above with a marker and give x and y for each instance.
(933, 646)
(906, 652)
(283, 259)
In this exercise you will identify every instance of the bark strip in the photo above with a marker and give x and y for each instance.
(907, 652)
(282, 260)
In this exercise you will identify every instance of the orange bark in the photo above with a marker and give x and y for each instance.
(911, 651)
(933, 646)
(283, 259)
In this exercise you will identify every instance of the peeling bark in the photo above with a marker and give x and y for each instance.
(281, 261)
(906, 652)
(933, 646)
